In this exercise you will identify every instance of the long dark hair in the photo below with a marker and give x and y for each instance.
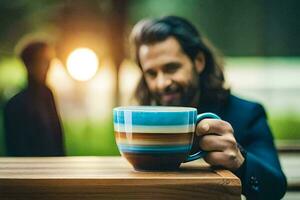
(150, 31)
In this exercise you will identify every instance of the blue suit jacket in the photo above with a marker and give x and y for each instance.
(261, 174)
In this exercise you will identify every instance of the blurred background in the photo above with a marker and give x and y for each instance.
(93, 71)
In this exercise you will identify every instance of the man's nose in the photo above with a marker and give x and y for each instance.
(162, 82)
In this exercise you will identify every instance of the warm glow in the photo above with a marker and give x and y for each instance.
(57, 77)
(129, 76)
(82, 64)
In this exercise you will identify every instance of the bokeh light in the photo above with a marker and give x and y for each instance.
(82, 64)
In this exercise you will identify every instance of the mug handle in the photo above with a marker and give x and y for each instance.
(200, 153)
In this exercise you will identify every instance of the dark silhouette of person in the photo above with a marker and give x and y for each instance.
(31, 122)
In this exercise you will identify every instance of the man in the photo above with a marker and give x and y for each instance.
(32, 126)
(180, 69)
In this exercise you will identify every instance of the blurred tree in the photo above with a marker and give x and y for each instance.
(116, 36)
(238, 28)
(20, 17)
(242, 28)
(99, 25)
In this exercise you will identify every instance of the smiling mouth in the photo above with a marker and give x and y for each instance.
(170, 96)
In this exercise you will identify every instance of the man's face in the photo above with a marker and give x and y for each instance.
(170, 74)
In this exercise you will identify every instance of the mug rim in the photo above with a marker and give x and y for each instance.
(155, 109)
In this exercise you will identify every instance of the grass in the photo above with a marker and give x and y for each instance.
(89, 138)
(285, 127)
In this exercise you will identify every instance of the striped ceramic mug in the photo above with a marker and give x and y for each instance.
(157, 137)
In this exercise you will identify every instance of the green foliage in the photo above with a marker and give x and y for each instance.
(83, 137)
(22, 17)
(226, 23)
(286, 127)
(12, 73)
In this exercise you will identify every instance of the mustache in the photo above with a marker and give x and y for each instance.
(187, 93)
(170, 90)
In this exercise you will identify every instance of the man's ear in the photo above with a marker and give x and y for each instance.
(200, 62)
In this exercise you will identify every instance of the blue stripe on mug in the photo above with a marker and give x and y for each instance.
(154, 149)
(154, 118)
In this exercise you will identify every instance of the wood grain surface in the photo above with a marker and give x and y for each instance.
(110, 178)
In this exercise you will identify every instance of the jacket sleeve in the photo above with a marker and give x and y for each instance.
(262, 176)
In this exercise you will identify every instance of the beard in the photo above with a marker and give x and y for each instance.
(176, 95)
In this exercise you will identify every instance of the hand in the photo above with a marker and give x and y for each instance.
(216, 137)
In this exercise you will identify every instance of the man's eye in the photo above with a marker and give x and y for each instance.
(172, 68)
(150, 74)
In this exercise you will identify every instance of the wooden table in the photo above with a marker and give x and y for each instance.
(110, 178)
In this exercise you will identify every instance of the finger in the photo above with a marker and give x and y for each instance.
(215, 158)
(213, 126)
(225, 159)
(212, 143)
